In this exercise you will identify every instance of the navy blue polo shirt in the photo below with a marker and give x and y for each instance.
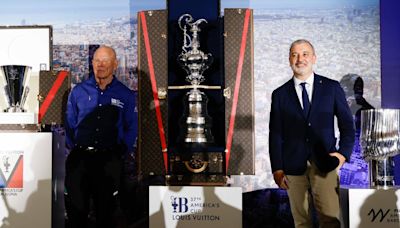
(101, 118)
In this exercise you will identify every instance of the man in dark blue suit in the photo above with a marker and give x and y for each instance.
(303, 150)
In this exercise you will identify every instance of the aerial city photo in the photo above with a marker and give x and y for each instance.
(345, 35)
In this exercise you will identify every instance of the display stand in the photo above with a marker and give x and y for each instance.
(370, 207)
(25, 179)
(189, 206)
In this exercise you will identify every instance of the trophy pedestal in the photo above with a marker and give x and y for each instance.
(18, 118)
(197, 168)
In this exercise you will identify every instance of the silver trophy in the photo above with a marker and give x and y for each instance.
(196, 121)
(380, 141)
(15, 78)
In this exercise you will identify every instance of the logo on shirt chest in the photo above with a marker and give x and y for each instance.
(117, 103)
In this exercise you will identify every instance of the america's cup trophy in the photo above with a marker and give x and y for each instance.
(380, 141)
(15, 79)
(196, 123)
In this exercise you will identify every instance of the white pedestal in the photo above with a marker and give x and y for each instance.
(25, 180)
(195, 206)
(370, 208)
(18, 118)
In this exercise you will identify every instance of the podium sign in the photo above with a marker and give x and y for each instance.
(190, 206)
(25, 179)
(370, 208)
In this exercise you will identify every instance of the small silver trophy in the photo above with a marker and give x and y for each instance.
(15, 78)
(380, 142)
(196, 121)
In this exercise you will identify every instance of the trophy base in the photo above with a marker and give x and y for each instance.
(382, 173)
(18, 118)
(197, 168)
(197, 162)
(14, 109)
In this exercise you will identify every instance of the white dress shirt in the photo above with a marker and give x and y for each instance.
(309, 88)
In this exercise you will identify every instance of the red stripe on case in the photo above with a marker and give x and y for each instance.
(237, 87)
(154, 89)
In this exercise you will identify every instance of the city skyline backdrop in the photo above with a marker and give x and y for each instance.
(345, 34)
(61, 12)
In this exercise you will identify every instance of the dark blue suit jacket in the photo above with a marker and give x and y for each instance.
(295, 138)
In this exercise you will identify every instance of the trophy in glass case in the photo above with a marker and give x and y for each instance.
(200, 129)
(380, 142)
(196, 123)
(193, 162)
(15, 79)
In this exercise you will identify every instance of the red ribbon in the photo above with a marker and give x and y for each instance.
(52, 94)
(154, 89)
(237, 87)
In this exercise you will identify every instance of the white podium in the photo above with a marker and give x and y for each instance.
(370, 208)
(195, 206)
(25, 179)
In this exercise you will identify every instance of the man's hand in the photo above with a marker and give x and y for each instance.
(280, 179)
(339, 156)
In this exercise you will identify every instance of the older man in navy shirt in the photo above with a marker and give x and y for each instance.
(101, 125)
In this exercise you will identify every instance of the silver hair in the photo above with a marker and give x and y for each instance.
(301, 41)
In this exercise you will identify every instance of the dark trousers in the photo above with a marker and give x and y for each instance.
(92, 174)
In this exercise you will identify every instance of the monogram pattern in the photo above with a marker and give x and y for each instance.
(149, 150)
(56, 111)
(242, 150)
(20, 127)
